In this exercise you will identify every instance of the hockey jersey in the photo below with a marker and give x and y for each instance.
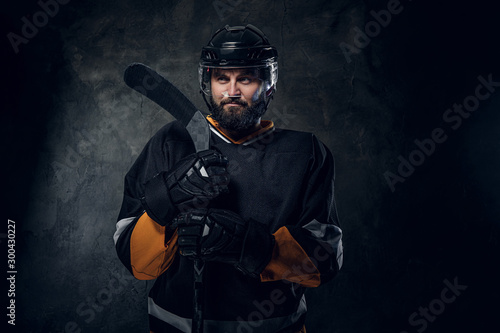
(281, 178)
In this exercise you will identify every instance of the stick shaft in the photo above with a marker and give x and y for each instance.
(148, 82)
(198, 300)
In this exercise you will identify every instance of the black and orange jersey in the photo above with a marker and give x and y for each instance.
(282, 178)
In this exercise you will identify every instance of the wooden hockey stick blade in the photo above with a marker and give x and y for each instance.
(148, 82)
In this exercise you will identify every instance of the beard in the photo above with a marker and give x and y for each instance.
(237, 118)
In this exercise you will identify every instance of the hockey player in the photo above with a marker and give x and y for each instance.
(257, 207)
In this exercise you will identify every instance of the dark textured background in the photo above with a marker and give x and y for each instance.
(72, 129)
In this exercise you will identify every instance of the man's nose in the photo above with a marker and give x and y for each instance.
(234, 89)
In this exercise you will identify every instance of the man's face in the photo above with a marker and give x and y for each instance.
(235, 98)
(227, 84)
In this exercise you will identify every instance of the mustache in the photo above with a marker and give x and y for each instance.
(235, 101)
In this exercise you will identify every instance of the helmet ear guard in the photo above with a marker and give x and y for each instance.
(239, 47)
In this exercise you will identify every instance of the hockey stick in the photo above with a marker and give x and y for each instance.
(148, 82)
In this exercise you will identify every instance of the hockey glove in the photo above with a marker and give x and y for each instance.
(190, 227)
(190, 184)
(223, 236)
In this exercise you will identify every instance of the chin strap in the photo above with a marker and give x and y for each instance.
(206, 102)
(270, 96)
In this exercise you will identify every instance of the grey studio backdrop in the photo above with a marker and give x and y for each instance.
(404, 93)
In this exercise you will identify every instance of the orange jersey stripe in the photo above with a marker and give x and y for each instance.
(290, 262)
(150, 253)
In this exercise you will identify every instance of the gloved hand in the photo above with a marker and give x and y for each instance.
(190, 228)
(223, 236)
(190, 184)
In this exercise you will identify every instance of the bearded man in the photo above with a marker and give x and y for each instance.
(257, 208)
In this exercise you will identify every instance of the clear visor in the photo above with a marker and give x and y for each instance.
(267, 75)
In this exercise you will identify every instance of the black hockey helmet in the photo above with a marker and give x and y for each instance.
(240, 47)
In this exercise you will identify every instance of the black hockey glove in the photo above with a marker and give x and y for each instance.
(190, 227)
(190, 184)
(223, 236)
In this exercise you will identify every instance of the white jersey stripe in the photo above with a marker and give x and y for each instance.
(120, 226)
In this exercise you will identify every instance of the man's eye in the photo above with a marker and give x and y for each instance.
(222, 79)
(245, 80)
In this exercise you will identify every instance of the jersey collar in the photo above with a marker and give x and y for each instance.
(267, 126)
